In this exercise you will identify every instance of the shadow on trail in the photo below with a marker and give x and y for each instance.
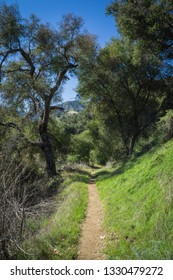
(77, 175)
(105, 174)
(83, 172)
(94, 167)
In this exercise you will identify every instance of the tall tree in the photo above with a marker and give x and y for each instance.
(127, 89)
(150, 25)
(149, 20)
(35, 60)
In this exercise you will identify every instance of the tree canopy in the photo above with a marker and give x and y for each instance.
(149, 20)
(35, 61)
(127, 87)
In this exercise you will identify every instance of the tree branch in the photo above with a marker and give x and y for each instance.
(28, 60)
(15, 126)
(5, 55)
(57, 108)
(60, 78)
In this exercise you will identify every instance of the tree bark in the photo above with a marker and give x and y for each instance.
(48, 152)
(170, 132)
(129, 145)
(132, 145)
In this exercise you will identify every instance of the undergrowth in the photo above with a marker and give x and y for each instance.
(56, 237)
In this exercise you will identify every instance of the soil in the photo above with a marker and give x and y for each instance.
(91, 243)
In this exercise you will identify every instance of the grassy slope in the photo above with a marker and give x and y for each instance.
(138, 202)
(57, 237)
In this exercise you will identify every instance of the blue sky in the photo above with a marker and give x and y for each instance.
(92, 11)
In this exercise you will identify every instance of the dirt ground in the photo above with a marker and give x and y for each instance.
(91, 242)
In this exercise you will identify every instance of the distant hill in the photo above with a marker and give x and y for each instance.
(74, 106)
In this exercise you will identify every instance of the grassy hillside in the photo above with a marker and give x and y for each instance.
(138, 200)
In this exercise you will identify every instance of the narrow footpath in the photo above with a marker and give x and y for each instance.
(91, 242)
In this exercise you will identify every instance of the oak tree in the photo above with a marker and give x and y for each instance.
(35, 61)
(126, 88)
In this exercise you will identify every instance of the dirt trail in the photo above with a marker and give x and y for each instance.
(92, 237)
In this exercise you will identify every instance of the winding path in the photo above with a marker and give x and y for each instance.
(91, 242)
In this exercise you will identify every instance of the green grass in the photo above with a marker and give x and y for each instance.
(57, 237)
(138, 200)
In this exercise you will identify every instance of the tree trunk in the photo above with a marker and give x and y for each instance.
(47, 150)
(170, 132)
(132, 145)
(129, 145)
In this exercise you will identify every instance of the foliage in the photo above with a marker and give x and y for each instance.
(81, 145)
(149, 24)
(165, 126)
(126, 88)
(35, 60)
(107, 145)
(149, 20)
(74, 123)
